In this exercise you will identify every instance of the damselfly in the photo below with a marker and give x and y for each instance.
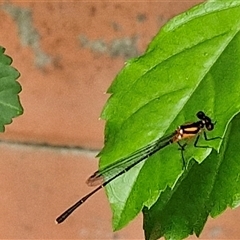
(105, 175)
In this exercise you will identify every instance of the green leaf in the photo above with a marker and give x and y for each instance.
(192, 64)
(208, 189)
(10, 106)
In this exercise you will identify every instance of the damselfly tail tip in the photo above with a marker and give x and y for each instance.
(59, 220)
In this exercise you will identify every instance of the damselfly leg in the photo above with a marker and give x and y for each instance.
(206, 139)
(182, 148)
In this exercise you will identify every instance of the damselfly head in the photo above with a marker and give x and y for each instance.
(207, 122)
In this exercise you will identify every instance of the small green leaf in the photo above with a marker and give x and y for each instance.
(10, 106)
(191, 65)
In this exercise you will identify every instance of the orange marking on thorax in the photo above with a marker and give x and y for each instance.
(186, 133)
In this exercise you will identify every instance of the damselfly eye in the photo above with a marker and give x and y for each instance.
(200, 115)
(210, 126)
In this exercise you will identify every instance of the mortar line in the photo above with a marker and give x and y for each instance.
(78, 149)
